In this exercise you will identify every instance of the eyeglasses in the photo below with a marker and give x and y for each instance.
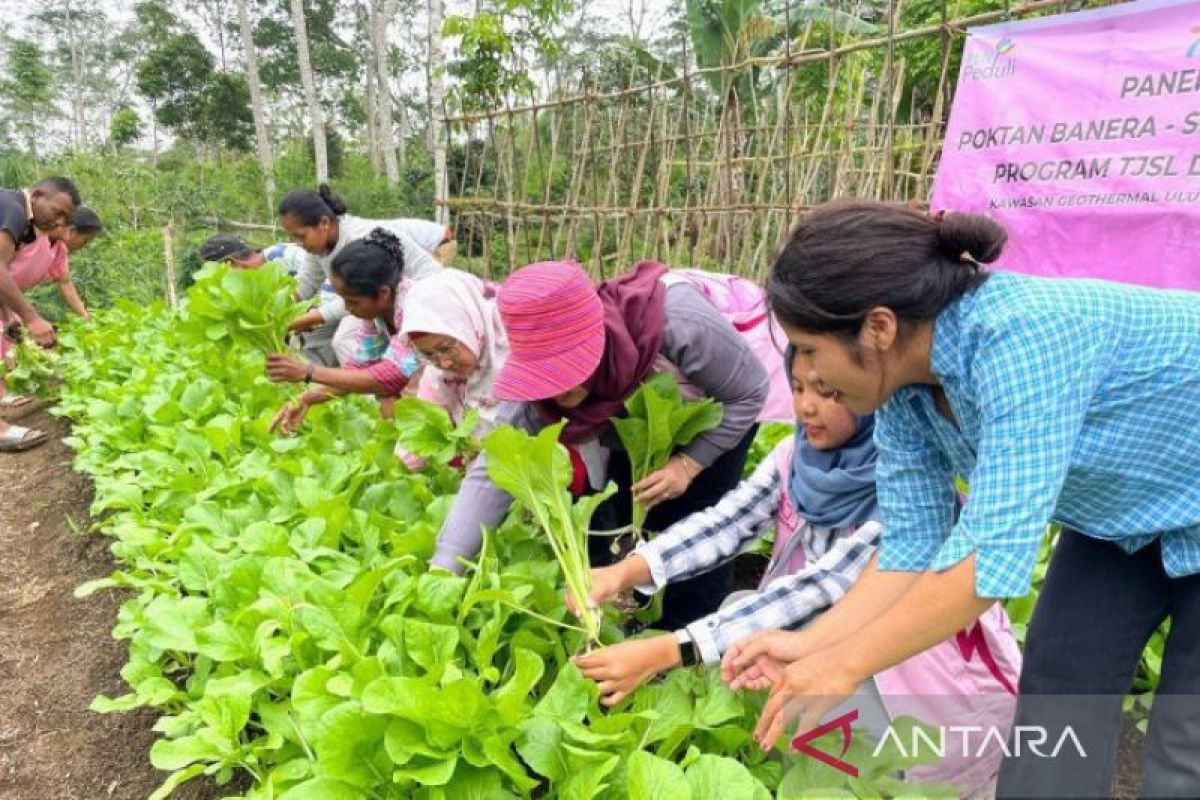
(445, 352)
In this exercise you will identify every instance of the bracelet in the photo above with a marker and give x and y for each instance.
(692, 466)
(308, 373)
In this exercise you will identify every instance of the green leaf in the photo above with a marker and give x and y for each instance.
(106, 705)
(569, 697)
(175, 780)
(322, 789)
(221, 641)
(652, 778)
(511, 698)
(410, 698)
(175, 754)
(171, 623)
(657, 423)
(717, 706)
(428, 773)
(717, 776)
(439, 595)
(350, 747)
(541, 746)
(429, 644)
(472, 783)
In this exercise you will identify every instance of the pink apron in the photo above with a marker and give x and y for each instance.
(967, 680)
(744, 304)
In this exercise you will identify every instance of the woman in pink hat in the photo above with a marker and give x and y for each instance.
(578, 351)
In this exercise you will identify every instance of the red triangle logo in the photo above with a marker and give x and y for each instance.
(801, 744)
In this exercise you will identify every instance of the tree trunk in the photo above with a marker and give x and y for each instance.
(262, 136)
(372, 118)
(153, 136)
(382, 12)
(78, 120)
(219, 10)
(437, 110)
(316, 117)
(401, 133)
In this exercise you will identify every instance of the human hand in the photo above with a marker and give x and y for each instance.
(667, 483)
(807, 690)
(42, 332)
(289, 418)
(622, 668)
(607, 583)
(758, 661)
(285, 369)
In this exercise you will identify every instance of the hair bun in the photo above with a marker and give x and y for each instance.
(972, 235)
(389, 243)
(336, 204)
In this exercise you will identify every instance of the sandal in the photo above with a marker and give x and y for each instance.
(17, 439)
(13, 401)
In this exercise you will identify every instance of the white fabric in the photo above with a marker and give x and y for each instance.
(424, 232)
(452, 303)
(345, 338)
(418, 262)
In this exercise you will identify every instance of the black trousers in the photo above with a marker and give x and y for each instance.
(1097, 609)
(689, 600)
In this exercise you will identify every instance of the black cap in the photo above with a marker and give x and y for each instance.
(224, 246)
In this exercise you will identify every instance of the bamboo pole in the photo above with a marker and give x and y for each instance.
(168, 233)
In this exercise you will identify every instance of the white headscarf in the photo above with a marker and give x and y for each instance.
(457, 304)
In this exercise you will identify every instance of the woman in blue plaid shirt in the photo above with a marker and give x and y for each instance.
(1065, 401)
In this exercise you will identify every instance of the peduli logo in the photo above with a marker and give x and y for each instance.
(803, 742)
(1194, 50)
(991, 61)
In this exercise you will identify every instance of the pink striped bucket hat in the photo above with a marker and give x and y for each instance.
(555, 325)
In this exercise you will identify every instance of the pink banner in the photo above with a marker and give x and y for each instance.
(1080, 133)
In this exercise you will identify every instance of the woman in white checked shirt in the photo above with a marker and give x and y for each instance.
(817, 491)
(1068, 401)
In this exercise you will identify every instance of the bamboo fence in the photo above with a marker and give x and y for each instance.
(673, 170)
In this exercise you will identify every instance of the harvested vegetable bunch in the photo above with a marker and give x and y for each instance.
(658, 423)
(250, 306)
(536, 471)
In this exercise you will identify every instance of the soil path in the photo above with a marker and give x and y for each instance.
(56, 652)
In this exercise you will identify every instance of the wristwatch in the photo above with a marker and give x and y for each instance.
(689, 654)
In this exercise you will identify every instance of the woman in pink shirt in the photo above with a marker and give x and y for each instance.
(47, 260)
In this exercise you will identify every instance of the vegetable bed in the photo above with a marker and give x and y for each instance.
(281, 619)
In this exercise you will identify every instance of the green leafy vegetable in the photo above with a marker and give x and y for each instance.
(657, 423)
(250, 306)
(281, 620)
(427, 430)
(35, 372)
(536, 471)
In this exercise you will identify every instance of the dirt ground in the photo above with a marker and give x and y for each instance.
(56, 652)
